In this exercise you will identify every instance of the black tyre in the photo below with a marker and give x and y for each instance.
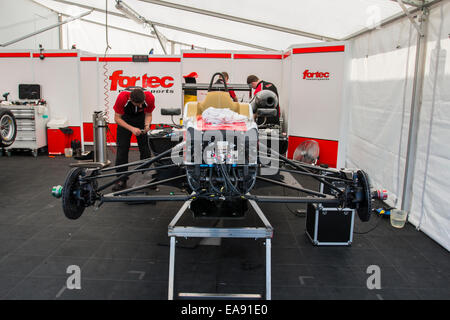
(364, 209)
(8, 128)
(72, 202)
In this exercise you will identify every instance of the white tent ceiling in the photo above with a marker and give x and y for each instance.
(207, 24)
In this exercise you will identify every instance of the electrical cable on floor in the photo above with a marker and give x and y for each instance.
(376, 225)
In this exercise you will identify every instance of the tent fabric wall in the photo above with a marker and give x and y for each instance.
(329, 18)
(382, 69)
(21, 17)
(380, 102)
(432, 175)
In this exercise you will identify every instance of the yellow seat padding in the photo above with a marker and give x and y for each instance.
(217, 99)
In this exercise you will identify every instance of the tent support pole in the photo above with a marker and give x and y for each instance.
(60, 31)
(410, 17)
(45, 29)
(167, 26)
(415, 111)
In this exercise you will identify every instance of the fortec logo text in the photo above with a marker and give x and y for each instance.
(307, 75)
(157, 84)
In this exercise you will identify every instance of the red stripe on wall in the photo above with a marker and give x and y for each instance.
(257, 56)
(56, 55)
(116, 59)
(130, 59)
(328, 149)
(156, 59)
(319, 49)
(287, 54)
(14, 54)
(207, 55)
(88, 59)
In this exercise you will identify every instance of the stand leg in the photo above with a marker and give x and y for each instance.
(268, 269)
(171, 267)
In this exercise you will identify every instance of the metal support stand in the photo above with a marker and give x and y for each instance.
(416, 104)
(201, 232)
(100, 127)
(100, 155)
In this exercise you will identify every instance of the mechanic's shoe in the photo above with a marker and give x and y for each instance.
(119, 185)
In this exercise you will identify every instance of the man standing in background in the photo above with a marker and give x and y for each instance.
(231, 92)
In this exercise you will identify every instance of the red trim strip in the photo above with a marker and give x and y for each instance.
(116, 59)
(14, 54)
(287, 54)
(207, 55)
(130, 59)
(257, 56)
(319, 49)
(56, 55)
(156, 59)
(88, 59)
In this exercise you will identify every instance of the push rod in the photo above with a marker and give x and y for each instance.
(111, 198)
(154, 183)
(130, 171)
(292, 187)
(144, 164)
(310, 174)
(328, 200)
(303, 169)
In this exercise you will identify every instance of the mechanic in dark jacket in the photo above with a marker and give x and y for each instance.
(133, 115)
(259, 85)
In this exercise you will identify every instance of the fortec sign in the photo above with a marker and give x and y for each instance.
(307, 75)
(156, 84)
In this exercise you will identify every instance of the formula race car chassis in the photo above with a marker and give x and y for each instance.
(219, 183)
(346, 189)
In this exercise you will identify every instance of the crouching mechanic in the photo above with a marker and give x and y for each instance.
(133, 115)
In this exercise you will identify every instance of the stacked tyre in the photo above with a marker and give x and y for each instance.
(8, 128)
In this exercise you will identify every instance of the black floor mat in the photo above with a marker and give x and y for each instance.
(123, 251)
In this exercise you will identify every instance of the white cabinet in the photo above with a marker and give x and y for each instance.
(31, 127)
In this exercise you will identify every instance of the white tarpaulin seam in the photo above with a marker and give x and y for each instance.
(430, 131)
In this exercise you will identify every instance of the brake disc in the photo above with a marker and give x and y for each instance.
(364, 208)
(72, 194)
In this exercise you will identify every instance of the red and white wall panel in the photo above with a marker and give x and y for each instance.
(105, 77)
(310, 80)
(58, 74)
(238, 64)
(316, 84)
